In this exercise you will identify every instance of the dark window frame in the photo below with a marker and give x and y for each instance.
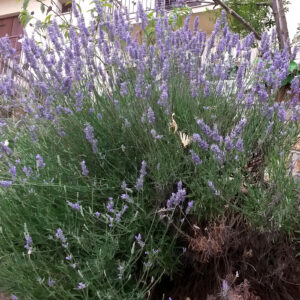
(66, 8)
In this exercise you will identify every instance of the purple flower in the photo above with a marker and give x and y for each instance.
(140, 181)
(14, 297)
(81, 286)
(213, 188)
(39, 162)
(51, 282)
(28, 240)
(220, 155)
(151, 116)
(155, 135)
(69, 257)
(225, 288)
(60, 236)
(123, 186)
(138, 238)
(5, 148)
(282, 112)
(229, 143)
(201, 143)
(5, 183)
(78, 97)
(13, 172)
(178, 197)
(89, 135)
(205, 128)
(84, 169)
(127, 198)
(124, 89)
(189, 207)
(195, 158)
(239, 145)
(97, 214)
(120, 213)
(110, 205)
(75, 206)
(27, 171)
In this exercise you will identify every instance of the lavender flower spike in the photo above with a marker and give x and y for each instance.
(39, 162)
(138, 238)
(89, 135)
(5, 183)
(28, 240)
(140, 181)
(75, 206)
(85, 171)
(213, 188)
(81, 286)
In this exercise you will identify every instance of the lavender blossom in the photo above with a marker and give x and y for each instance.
(213, 188)
(39, 162)
(205, 128)
(60, 236)
(81, 286)
(195, 158)
(239, 145)
(155, 135)
(123, 89)
(110, 205)
(51, 282)
(13, 172)
(189, 207)
(127, 198)
(178, 197)
(120, 213)
(201, 143)
(5, 183)
(28, 240)
(220, 155)
(138, 238)
(27, 171)
(151, 116)
(75, 206)
(84, 169)
(140, 181)
(89, 135)
(79, 98)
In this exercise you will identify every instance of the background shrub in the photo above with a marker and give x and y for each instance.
(122, 144)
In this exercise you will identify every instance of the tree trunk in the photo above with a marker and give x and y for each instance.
(281, 25)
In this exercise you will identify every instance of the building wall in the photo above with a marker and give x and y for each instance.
(12, 8)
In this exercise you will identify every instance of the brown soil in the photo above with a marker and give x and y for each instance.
(266, 264)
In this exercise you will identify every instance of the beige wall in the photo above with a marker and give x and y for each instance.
(206, 23)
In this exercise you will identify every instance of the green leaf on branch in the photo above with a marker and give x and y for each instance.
(42, 8)
(25, 4)
(293, 66)
(287, 80)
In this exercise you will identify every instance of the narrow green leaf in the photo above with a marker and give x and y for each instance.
(25, 4)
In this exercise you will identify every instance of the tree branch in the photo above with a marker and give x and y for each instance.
(238, 17)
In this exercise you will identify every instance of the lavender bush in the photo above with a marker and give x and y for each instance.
(122, 141)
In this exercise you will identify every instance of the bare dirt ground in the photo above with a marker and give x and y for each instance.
(229, 260)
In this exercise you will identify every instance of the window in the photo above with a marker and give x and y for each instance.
(12, 27)
(166, 3)
(66, 7)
